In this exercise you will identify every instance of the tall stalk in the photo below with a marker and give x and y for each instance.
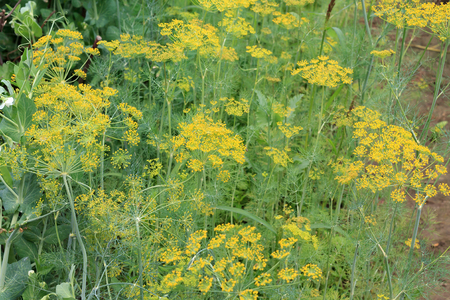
(411, 249)
(78, 235)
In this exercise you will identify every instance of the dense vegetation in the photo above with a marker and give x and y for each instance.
(206, 149)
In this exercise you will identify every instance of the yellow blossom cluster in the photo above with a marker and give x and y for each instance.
(264, 7)
(312, 271)
(121, 158)
(282, 110)
(134, 46)
(416, 243)
(279, 157)
(223, 5)
(109, 213)
(388, 156)
(288, 20)
(323, 71)
(370, 220)
(288, 129)
(236, 107)
(259, 52)
(234, 256)
(193, 35)
(59, 53)
(69, 118)
(235, 25)
(208, 137)
(382, 53)
(415, 13)
(298, 2)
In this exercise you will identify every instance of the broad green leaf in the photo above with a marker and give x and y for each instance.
(112, 33)
(26, 194)
(6, 175)
(248, 215)
(37, 30)
(24, 248)
(16, 279)
(262, 100)
(35, 291)
(76, 3)
(65, 291)
(7, 83)
(20, 118)
(32, 234)
(50, 236)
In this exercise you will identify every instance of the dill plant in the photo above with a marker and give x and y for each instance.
(228, 158)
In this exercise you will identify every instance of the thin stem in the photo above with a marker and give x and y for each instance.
(141, 271)
(78, 235)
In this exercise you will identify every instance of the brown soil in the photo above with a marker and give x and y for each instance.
(436, 214)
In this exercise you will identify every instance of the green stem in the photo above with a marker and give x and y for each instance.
(5, 259)
(251, 100)
(78, 235)
(141, 271)
(411, 249)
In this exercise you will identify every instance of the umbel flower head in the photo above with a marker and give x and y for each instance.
(414, 13)
(323, 71)
(388, 156)
(209, 137)
(59, 53)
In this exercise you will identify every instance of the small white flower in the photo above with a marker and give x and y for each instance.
(31, 272)
(8, 102)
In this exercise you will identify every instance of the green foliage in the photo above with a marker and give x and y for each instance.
(211, 150)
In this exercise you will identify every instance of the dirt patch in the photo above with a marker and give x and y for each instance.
(436, 213)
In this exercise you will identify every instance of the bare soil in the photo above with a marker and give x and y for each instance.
(436, 214)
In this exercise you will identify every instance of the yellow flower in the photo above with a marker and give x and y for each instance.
(236, 25)
(323, 71)
(288, 20)
(288, 274)
(280, 157)
(121, 158)
(236, 107)
(248, 294)
(263, 279)
(312, 271)
(416, 243)
(383, 53)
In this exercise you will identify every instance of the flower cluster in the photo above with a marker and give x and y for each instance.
(193, 35)
(236, 25)
(288, 20)
(416, 243)
(323, 71)
(207, 142)
(233, 258)
(389, 156)
(288, 129)
(382, 53)
(264, 7)
(298, 2)
(223, 5)
(279, 157)
(417, 14)
(236, 107)
(59, 53)
(265, 54)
